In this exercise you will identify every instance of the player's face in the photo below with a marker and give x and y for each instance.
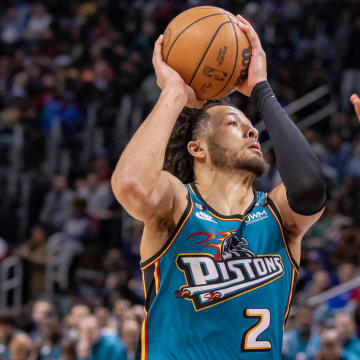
(233, 141)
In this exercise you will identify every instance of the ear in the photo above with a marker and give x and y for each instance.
(196, 148)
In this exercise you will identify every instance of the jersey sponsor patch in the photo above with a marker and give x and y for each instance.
(203, 216)
(255, 217)
(231, 271)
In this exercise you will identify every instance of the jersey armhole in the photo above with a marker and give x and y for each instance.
(276, 213)
(183, 219)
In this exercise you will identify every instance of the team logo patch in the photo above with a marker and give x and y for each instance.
(200, 206)
(230, 269)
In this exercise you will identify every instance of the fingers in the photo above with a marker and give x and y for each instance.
(243, 20)
(157, 56)
(355, 99)
(199, 103)
(193, 100)
(251, 34)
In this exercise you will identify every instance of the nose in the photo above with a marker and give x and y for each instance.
(252, 133)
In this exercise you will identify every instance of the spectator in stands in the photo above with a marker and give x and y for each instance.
(14, 344)
(346, 329)
(80, 225)
(102, 315)
(68, 348)
(11, 26)
(302, 338)
(338, 154)
(39, 21)
(48, 343)
(77, 313)
(353, 168)
(97, 193)
(56, 208)
(138, 311)
(130, 331)
(20, 347)
(120, 308)
(96, 346)
(40, 309)
(33, 253)
(331, 347)
(320, 282)
(345, 273)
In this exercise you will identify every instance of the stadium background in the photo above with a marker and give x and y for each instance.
(76, 80)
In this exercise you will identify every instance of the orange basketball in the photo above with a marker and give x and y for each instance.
(210, 52)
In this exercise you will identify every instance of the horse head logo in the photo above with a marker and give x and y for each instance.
(233, 247)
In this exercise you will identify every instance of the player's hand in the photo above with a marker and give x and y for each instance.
(355, 99)
(257, 68)
(167, 77)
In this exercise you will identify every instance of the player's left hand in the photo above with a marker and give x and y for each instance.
(257, 68)
(355, 99)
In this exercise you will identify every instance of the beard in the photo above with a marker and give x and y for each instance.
(233, 160)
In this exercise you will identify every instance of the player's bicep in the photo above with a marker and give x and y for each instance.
(295, 223)
(143, 205)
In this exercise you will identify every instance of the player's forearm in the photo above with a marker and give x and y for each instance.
(143, 158)
(298, 165)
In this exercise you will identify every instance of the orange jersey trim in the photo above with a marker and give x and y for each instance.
(290, 296)
(174, 237)
(295, 267)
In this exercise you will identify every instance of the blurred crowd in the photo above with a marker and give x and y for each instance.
(58, 59)
(85, 332)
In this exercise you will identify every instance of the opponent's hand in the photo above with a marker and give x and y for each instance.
(355, 99)
(257, 68)
(167, 77)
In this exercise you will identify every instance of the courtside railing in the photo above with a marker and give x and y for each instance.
(333, 292)
(11, 275)
(300, 104)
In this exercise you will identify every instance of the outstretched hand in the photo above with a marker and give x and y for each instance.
(167, 77)
(355, 99)
(257, 68)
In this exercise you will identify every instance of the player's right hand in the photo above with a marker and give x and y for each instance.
(167, 77)
(355, 99)
(257, 68)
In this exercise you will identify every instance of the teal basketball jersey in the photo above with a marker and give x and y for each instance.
(221, 287)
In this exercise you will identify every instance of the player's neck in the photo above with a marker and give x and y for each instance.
(227, 192)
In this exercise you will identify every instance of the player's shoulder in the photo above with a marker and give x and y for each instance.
(179, 190)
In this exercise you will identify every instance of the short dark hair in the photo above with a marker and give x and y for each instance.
(188, 126)
(7, 317)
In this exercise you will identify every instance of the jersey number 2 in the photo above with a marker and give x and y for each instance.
(249, 340)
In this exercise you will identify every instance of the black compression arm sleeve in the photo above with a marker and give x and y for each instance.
(299, 167)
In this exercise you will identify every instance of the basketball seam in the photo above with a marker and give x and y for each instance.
(206, 51)
(236, 57)
(204, 17)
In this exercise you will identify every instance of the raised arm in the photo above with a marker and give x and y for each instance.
(301, 197)
(138, 182)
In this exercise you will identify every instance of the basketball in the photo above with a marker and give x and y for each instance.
(209, 51)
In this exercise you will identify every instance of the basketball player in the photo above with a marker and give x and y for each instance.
(219, 259)
(355, 99)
